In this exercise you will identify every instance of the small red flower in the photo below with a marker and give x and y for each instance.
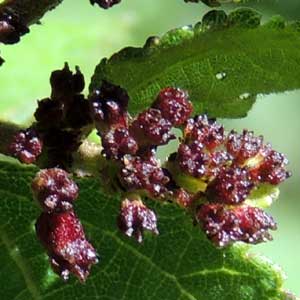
(147, 175)
(151, 129)
(26, 146)
(109, 106)
(54, 190)
(69, 252)
(135, 218)
(193, 159)
(231, 186)
(272, 168)
(174, 105)
(243, 146)
(117, 142)
(204, 130)
(242, 223)
(65, 84)
(183, 198)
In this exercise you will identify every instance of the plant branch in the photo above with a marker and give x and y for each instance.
(29, 11)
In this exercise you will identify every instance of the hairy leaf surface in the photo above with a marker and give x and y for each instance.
(224, 63)
(179, 264)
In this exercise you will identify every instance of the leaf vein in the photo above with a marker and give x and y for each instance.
(25, 271)
(146, 259)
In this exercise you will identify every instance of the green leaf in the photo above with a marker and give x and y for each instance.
(179, 264)
(224, 63)
(213, 3)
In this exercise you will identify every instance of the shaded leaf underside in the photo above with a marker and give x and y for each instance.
(255, 61)
(179, 264)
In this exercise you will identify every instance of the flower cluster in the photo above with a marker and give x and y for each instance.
(227, 168)
(61, 122)
(64, 118)
(212, 175)
(58, 228)
(130, 144)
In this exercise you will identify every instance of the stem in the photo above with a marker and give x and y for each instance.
(7, 131)
(88, 160)
(30, 11)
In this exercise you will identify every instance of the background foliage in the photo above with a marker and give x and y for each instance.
(81, 34)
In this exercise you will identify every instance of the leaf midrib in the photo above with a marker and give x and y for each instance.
(23, 267)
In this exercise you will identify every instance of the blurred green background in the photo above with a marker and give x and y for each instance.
(80, 34)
